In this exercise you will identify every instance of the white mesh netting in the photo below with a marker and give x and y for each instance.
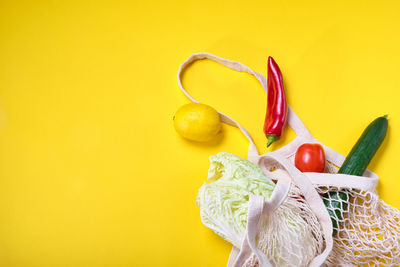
(295, 249)
(367, 230)
(289, 236)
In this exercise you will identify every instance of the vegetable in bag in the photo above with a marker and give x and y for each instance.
(355, 164)
(285, 237)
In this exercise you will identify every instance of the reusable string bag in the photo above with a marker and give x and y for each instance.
(367, 235)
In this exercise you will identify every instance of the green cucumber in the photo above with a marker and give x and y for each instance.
(365, 148)
(355, 164)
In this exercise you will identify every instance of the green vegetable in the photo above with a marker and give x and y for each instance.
(336, 202)
(225, 199)
(365, 148)
(355, 164)
(285, 236)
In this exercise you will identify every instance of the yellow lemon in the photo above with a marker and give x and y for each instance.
(197, 122)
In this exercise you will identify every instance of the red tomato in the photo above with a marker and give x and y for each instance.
(310, 158)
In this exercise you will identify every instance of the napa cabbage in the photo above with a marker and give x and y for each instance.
(286, 238)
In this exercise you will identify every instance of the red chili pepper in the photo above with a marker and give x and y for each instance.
(276, 116)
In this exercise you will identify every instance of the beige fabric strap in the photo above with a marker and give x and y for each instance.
(249, 245)
(233, 256)
(293, 120)
(343, 180)
(257, 207)
(253, 153)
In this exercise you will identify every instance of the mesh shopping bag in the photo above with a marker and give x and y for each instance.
(366, 230)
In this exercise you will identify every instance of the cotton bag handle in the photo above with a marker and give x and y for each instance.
(293, 120)
(256, 208)
(303, 134)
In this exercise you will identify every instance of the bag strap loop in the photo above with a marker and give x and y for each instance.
(293, 120)
(257, 207)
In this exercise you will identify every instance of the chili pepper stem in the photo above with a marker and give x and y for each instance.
(271, 138)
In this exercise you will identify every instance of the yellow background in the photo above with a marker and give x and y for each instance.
(92, 172)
